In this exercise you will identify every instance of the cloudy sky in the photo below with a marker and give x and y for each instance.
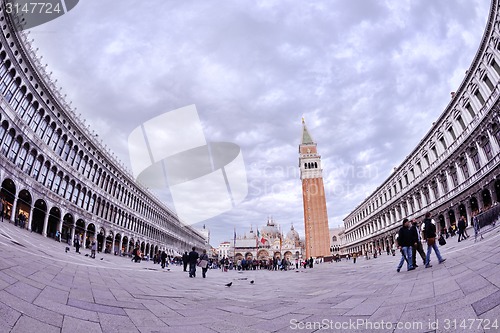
(369, 77)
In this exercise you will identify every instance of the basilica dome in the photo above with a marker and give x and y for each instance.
(270, 230)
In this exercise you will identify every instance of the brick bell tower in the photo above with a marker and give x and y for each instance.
(313, 195)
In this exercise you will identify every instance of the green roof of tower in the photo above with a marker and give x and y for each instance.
(306, 137)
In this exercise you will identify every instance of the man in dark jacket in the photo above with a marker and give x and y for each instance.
(461, 228)
(193, 260)
(417, 246)
(405, 241)
(163, 258)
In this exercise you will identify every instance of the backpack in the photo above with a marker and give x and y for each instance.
(430, 229)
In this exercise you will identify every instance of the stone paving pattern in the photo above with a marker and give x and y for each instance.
(44, 289)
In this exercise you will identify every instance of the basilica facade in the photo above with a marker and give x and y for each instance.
(455, 169)
(57, 179)
(269, 242)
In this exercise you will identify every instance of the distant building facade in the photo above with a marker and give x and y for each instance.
(454, 171)
(336, 240)
(224, 250)
(317, 240)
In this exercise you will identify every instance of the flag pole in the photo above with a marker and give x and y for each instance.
(234, 244)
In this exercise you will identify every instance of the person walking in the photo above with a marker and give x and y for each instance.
(417, 246)
(429, 233)
(163, 258)
(193, 260)
(462, 224)
(204, 263)
(136, 253)
(93, 248)
(477, 227)
(405, 242)
(1, 208)
(185, 260)
(77, 243)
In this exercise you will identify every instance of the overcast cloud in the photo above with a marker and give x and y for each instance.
(369, 77)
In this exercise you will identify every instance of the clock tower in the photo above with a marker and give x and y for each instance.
(317, 232)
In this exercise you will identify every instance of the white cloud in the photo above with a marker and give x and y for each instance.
(369, 77)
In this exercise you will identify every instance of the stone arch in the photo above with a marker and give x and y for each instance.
(462, 211)
(249, 256)
(125, 242)
(39, 214)
(474, 206)
(262, 254)
(53, 222)
(116, 246)
(442, 221)
(23, 206)
(80, 230)
(452, 217)
(109, 242)
(67, 226)
(91, 229)
(486, 197)
(8, 193)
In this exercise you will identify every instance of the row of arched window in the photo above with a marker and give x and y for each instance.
(461, 120)
(58, 178)
(311, 165)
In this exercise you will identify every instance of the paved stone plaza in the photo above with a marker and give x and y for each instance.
(44, 289)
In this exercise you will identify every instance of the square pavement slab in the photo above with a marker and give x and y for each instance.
(70, 292)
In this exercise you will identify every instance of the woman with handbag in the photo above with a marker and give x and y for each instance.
(203, 263)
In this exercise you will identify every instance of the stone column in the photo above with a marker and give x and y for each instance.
(120, 246)
(470, 164)
(495, 149)
(30, 219)
(449, 182)
(423, 198)
(491, 188)
(446, 219)
(431, 193)
(45, 224)
(84, 238)
(480, 202)
(468, 211)
(409, 210)
(127, 250)
(460, 176)
(397, 213)
(439, 187)
(13, 211)
(482, 156)
(72, 233)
